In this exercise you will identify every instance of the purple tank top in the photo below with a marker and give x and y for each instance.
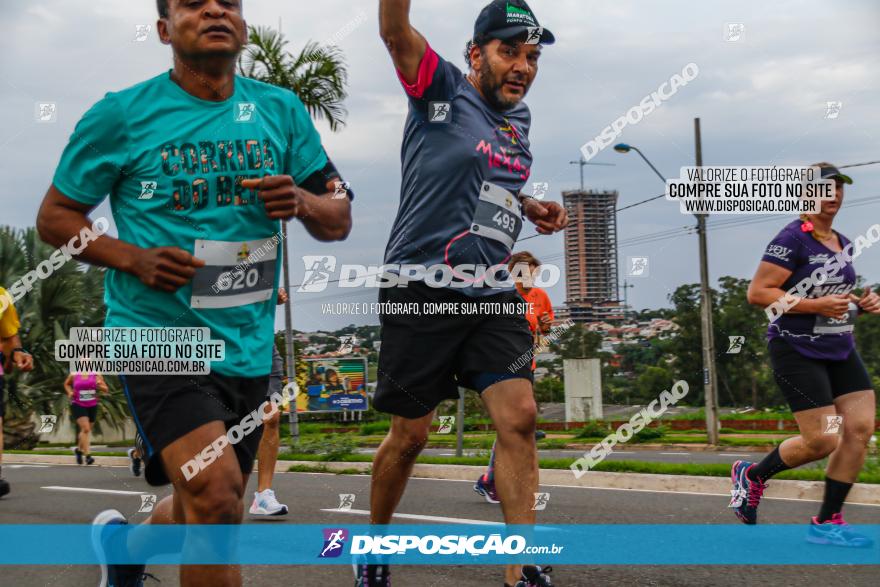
(85, 390)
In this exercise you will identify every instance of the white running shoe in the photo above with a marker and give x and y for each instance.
(265, 504)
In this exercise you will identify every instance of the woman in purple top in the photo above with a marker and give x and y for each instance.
(83, 389)
(805, 281)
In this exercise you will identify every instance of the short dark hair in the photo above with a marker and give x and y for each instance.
(480, 40)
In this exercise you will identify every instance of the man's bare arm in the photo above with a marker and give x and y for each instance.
(327, 217)
(163, 268)
(406, 45)
(61, 218)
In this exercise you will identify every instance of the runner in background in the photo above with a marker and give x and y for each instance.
(135, 461)
(540, 315)
(817, 367)
(12, 356)
(265, 503)
(82, 390)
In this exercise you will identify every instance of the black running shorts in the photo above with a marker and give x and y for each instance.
(425, 357)
(168, 407)
(83, 412)
(812, 383)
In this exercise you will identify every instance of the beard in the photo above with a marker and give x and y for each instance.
(491, 88)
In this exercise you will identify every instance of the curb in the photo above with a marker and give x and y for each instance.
(860, 494)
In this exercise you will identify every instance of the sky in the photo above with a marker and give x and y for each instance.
(761, 100)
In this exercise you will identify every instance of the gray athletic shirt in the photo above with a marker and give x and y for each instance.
(445, 164)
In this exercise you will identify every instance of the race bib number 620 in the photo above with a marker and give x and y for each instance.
(234, 274)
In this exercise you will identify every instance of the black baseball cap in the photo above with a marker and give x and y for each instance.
(505, 19)
(828, 171)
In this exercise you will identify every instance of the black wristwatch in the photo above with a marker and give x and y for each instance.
(19, 350)
(523, 197)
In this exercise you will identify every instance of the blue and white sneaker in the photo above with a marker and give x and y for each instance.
(265, 504)
(746, 494)
(836, 532)
(487, 490)
(114, 575)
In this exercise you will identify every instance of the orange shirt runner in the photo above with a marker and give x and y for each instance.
(539, 305)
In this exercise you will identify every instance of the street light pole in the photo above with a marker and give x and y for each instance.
(288, 339)
(710, 374)
(710, 377)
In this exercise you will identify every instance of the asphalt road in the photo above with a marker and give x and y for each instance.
(308, 495)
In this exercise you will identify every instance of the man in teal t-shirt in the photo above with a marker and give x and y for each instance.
(201, 167)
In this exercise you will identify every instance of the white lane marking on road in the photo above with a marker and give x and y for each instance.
(675, 453)
(727, 454)
(92, 490)
(439, 519)
(27, 466)
(580, 452)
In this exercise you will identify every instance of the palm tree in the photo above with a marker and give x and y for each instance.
(71, 297)
(317, 75)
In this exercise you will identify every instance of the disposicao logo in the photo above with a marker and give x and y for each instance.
(334, 542)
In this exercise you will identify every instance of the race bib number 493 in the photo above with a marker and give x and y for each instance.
(497, 215)
(235, 273)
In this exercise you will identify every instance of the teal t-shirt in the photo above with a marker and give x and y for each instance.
(172, 165)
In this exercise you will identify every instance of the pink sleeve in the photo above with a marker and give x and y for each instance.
(427, 67)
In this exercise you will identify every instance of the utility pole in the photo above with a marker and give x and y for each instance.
(710, 374)
(288, 340)
(625, 287)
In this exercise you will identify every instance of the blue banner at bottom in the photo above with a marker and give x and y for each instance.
(289, 544)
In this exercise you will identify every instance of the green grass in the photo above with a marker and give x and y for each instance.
(325, 469)
(751, 441)
(751, 432)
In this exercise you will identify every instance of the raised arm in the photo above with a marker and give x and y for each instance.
(405, 44)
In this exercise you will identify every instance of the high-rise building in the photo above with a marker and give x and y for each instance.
(591, 286)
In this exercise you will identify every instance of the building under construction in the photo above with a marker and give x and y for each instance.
(591, 285)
